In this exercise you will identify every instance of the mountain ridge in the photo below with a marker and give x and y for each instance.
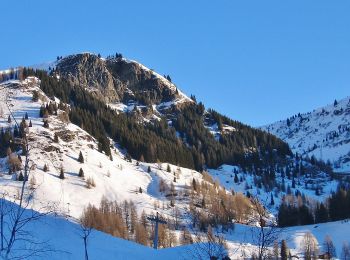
(323, 133)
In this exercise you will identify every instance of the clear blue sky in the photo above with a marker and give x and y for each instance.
(255, 61)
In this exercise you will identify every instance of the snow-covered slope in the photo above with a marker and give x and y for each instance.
(247, 182)
(63, 241)
(323, 133)
(116, 178)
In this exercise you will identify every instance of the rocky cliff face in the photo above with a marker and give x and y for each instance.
(117, 79)
(90, 72)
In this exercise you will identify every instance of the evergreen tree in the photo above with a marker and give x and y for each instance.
(149, 169)
(30, 123)
(168, 169)
(236, 178)
(61, 174)
(81, 173)
(26, 116)
(35, 97)
(55, 138)
(9, 120)
(46, 124)
(20, 177)
(321, 214)
(272, 202)
(81, 158)
(284, 250)
(46, 168)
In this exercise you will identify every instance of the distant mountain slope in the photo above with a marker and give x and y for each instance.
(323, 133)
(149, 116)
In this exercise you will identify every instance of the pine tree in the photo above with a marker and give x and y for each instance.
(46, 124)
(81, 158)
(46, 168)
(194, 184)
(20, 177)
(81, 173)
(61, 174)
(236, 178)
(272, 202)
(26, 116)
(149, 169)
(55, 138)
(30, 123)
(284, 250)
(168, 169)
(9, 120)
(35, 97)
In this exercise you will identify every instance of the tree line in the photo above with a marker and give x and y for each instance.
(336, 207)
(157, 140)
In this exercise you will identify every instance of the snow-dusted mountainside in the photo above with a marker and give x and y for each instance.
(116, 179)
(323, 133)
(177, 193)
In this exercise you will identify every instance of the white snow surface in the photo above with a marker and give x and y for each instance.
(115, 179)
(324, 133)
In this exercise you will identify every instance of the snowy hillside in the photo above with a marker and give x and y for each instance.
(55, 180)
(116, 179)
(248, 182)
(323, 133)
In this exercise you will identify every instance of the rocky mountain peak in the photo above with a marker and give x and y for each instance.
(116, 79)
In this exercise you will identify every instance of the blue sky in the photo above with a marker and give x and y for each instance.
(255, 61)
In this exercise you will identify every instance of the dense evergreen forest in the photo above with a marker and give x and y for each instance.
(336, 207)
(157, 141)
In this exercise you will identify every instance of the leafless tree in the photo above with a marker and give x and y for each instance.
(85, 232)
(4, 211)
(208, 246)
(345, 253)
(310, 246)
(329, 247)
(266, 231)
(18, 214)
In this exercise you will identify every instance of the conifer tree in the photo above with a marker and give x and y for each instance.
(46, 124)
(46, 168)
(26, 116)
(81, 158)
(35, 97)
(20, 177)
(81, 173)
(272, 202)
(55, 138)
(61, 174)
(284, 250)
(236, 178)
(30, 123)
(9, 120)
